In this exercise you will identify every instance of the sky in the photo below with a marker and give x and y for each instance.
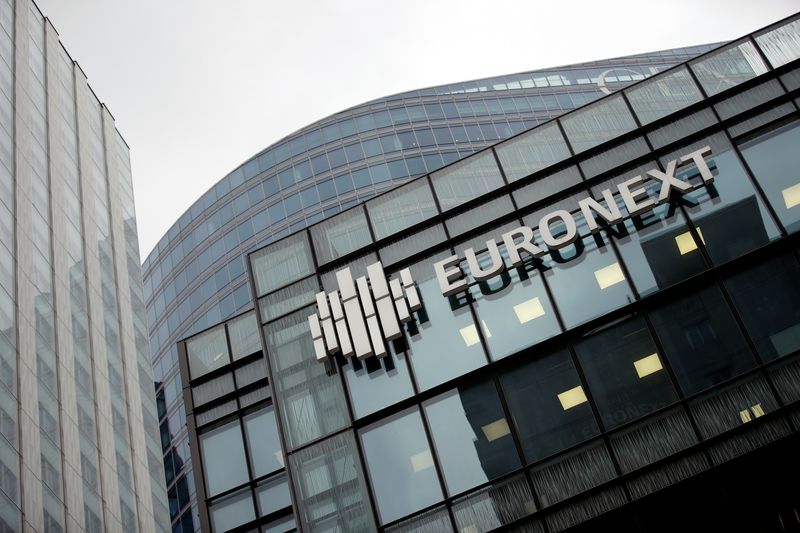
(198, 86)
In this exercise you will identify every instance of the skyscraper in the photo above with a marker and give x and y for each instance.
(78, 424)
(195, 276)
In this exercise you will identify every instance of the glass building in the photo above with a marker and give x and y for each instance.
(195, 277)
(592, 325)
(78, 423)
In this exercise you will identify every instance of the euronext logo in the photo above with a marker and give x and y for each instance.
(363, 314)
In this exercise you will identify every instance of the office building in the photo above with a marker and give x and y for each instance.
(78, 424)
(591, 326)
(195, 276)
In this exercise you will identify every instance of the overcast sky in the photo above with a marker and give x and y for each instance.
(198, 86)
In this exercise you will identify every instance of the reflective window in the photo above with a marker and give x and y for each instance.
(232, 510)
(548, 405)
(547, 186)
(207, 351)
(663, 95)
(728, 68)
(263, 442)
(774, 160)
(288, 299)
(374, 383)
(441, 322)
(532, 151)
(273, 495)
(281, 263)
(341, 235)
(243, 332)
(401, 208)
(223, 458)
(781, 45)
(465, 180)
(479, 215)
(597, 123)
(729, 202)
(471, 435)
(625, 373)
(766, 297)
(702, 341)
(400, 465)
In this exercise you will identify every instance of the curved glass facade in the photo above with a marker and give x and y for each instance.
(195, 276)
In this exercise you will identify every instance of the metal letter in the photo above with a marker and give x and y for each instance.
(568, 238)
(492, 270)
(632, 204)
(698, 158)
(612, 214)
(444, 276)
(526, 244)
(668, 181)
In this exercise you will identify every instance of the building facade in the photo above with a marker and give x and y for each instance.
(195, 276)
(78, 423)
(592, 325)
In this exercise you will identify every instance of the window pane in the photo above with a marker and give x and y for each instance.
(207, 351)
(466, 180)
(273, 495)
(263, 442)
(494, 506)
(625, 373)
(532, 151)
(766, 298)
(781, 45)
(728, 68)
(702, 341)
(477, 216)
(374, 383)
(598, 123)
(663, 95)
(341, 235)
(548, 405)
(243, 332)
(288, 299)
(400, 465)
(471, 435)
(774, 160)
(281, 263)
(223, 458)
(401, 208)
(233, 510)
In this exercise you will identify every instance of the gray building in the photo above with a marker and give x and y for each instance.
(78, 424)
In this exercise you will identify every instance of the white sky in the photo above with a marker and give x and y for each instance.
(198, 86)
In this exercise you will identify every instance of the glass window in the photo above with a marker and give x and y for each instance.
(547, 186)
(729, 202)
(663, 95)
(263, 441)
(781, 45)
(232, 510)
(597, 123)
(330, 486)
(548, 405)
(288, 299)
(466, 180)
(282, 262)
(774, 160)
(702, 341)
(471, 435)
(477, 216)
(625, 373)
(374, 383)
(207, 351)
(728, 68)
(495, 506)
(243, 332)
(400, 465)
(532, 151)
(766, 297)
(401, 208)
(441, 322)
(223, 458)
(341, 235)
(273, 495)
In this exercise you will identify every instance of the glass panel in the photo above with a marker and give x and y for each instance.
(766, 297)
(654, 438)
(532, 151)
(288, 299)
(207, 351)
(663, 95)
(748, 99)
(413, 244)
(434, 521)
(569, 474)
(494, 506)
(781, 45)
(678, 129)
(341, 235)
(330, 487)
(598, 123)
(729, 202)
(273, 495)
(544, 187)
(441, 322)
(243, 332)
(263, 441)
(728, 68)
(471, 435)
(548, 405)
(281, 263)
(625, 373)
(232, 510)
(465, 180)
(775, 163)
(401, 208)
(400, 465)
(223, 458)
(703, 343)
(309, 391)
(480, 215)
(374, 383)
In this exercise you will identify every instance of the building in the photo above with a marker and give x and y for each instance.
(592, 325)
(79, 449)
(195, 277)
